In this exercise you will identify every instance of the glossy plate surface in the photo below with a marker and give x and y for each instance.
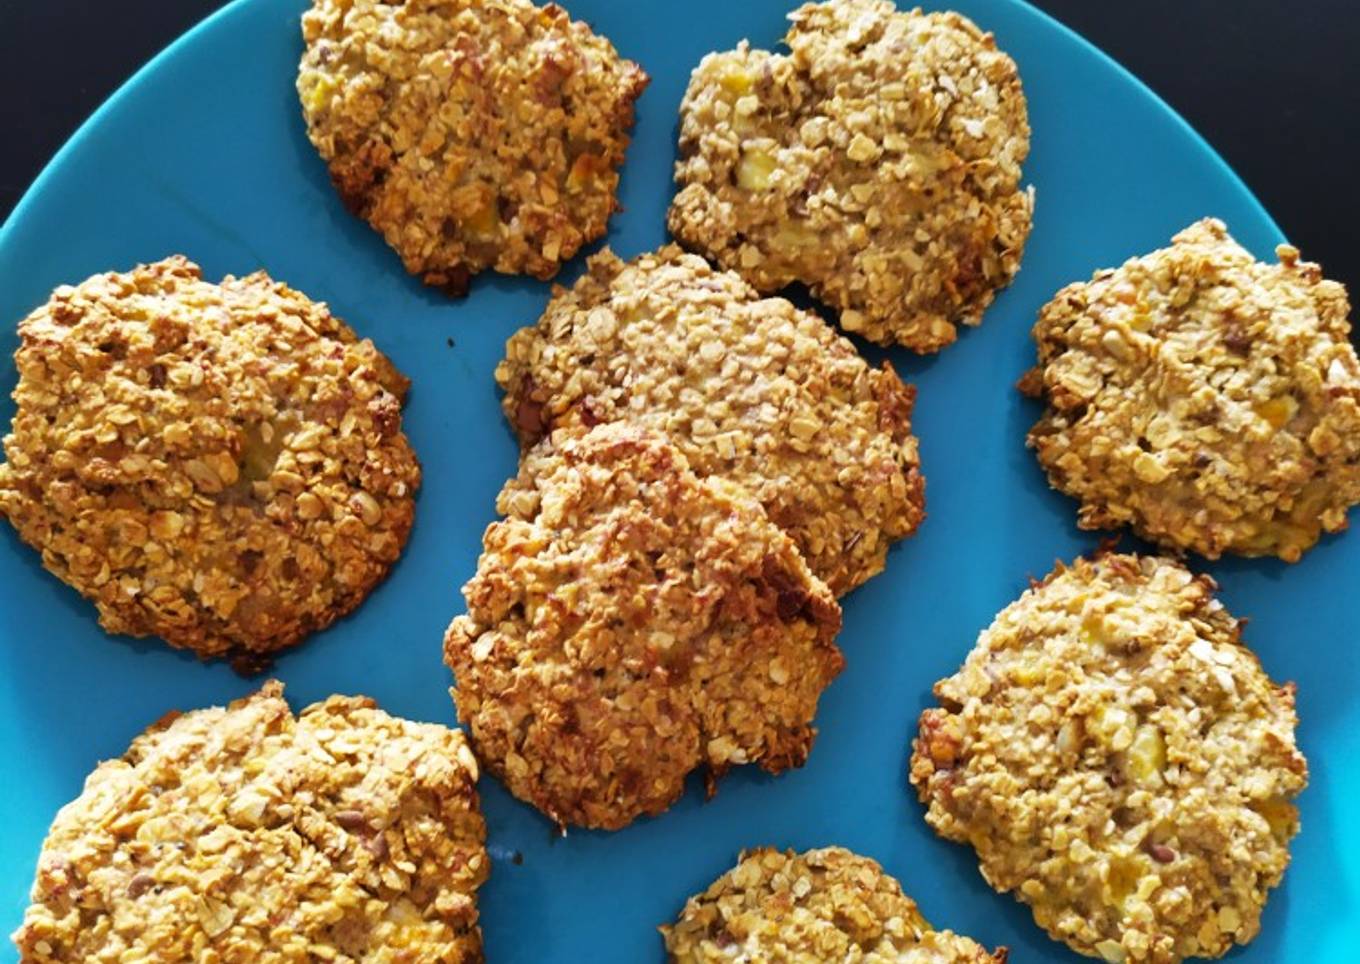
(204, 153)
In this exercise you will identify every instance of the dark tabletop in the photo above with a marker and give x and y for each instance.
(1274, 86)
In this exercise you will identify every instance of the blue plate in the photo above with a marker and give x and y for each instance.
(204, 153)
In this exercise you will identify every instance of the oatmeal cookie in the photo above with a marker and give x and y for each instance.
(824, 905)
(878, 162)
(243, 834)
(221, 465)
(470, 134)
(630, 622)
(1120, 760)
(750, 389)
(1207, 400)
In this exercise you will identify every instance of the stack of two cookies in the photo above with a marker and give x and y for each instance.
(704, 472)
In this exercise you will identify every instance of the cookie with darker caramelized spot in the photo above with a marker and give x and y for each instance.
(748, 388)
(245, 834)
(878, 162)
(220, 465)
(470, 134)
(823, 905)
(1120, 762)
(1208, 401)
(630, 622)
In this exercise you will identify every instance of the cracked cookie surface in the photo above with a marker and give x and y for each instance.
(1120, 761)
(470, 134)
(630, 622)
(220, 465)
(878, 162)
(1209, 401)
(245, 834)
(750, 389)
(823, 905)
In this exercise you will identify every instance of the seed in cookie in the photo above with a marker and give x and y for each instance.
(1207, 400)
(1120, 761)
(245, 834)
(220, 465)
(878, 162)
(470, 135)
(823, 905)
(630, 622)
(750, 389)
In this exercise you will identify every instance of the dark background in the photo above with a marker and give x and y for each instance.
(1275, 87)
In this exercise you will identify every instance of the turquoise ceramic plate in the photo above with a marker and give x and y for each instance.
(204, 153)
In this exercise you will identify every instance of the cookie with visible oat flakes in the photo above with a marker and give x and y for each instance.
(471, 135)
(630, 622)
(1120, 761)
(878, 162)
(220, 465)
(823, 905)
(750, 389)
(1207, 400)
(245, 834)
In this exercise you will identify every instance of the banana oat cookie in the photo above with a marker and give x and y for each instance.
(1120, 760)
(750, 389)
(878, 162)
(630, 622)
(221, 465)
(471, 134)
(824, 905)
(1207, 400)
(243, 834)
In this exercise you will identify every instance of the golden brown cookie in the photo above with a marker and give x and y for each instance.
(630, 622)
(878, 162)
(1120, 761)
(1205, 399)
(824, 905)
(243, 834)
(751, 389)
(470, 134)
(221, 465)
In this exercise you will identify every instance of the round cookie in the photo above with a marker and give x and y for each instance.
(221, 465)
(824, 905)
(1120, 761)
(1208, 401)
(243, 834)
(471, 135)
(751, 389)
(630, 622)
(878, 162)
